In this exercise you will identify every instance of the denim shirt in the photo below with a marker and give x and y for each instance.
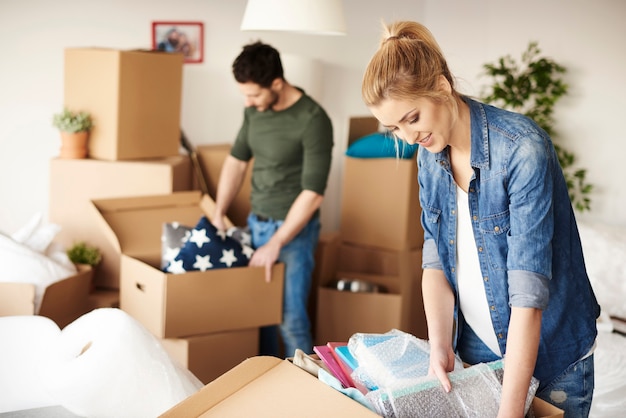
(527, 240)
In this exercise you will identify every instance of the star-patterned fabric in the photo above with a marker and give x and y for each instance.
(207, 248)
(173, 237)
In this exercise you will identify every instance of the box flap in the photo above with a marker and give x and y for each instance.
(361, 126)
(66, 300)
(134, 225)
(268, 387)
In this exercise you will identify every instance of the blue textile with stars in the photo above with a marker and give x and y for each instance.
(207, 248)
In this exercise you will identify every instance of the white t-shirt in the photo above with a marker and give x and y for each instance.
(472, 297)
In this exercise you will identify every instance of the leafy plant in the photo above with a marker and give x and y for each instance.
(82, 253)
(532, 88)
(68, 121)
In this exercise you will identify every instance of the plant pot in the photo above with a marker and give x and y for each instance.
(74, 145)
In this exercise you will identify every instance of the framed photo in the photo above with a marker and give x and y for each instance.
(185, 37)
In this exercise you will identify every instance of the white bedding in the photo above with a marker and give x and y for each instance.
(31, 256)
(104, 364)
(604, 248)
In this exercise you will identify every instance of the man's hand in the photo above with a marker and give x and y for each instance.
(266, 256)
(218, 222)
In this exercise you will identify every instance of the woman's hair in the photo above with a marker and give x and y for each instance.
(407, 65)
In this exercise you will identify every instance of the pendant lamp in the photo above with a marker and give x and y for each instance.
(315, 17)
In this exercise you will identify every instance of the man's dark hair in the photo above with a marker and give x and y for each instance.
(258, 63)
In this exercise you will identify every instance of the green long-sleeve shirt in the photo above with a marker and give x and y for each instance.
(292, 151)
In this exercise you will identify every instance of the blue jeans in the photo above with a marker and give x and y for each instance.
(298, 257)
(572, 391)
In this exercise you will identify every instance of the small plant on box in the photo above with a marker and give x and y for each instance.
(82, 253)
(74, 128)
(68, 121)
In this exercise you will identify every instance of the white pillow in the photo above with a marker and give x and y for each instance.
(604, 248)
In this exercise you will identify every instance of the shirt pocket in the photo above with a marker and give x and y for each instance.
(494, 231)
(431, 221)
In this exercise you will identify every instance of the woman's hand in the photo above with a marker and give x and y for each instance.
(441, 363)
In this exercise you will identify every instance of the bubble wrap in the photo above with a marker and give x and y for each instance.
(394, 367)
(390, 360)
(476, 392)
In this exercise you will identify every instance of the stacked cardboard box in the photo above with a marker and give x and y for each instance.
(207, 320)
(379, 242)
(134, 98)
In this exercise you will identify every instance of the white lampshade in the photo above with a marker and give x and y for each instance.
(322, 17)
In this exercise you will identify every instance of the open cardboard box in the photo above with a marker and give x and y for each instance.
(63, 301)
(75, 182)
(181, 305)
(269, 387)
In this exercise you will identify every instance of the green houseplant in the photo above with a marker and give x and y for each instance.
(74, 128)
(82, 253)
(532, 87)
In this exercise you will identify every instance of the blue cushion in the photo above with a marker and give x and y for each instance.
(380, 145)
(206, 249)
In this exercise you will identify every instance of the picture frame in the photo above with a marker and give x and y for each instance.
(180, 36)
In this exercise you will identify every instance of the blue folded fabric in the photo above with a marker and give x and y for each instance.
(207, 248)
(381, 145)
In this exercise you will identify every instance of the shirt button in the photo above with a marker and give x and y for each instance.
(500, 335)
(453, 269)
(497, 228)
(471, 190)
(480, 249)
(454, 212)
(451, 242)
(486, 278)
(493, 307)
(475, 217)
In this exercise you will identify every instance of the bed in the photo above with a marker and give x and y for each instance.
(604, 248)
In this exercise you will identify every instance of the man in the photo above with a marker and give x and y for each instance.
(290, 138)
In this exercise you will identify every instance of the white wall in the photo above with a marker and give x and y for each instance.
(586, 37)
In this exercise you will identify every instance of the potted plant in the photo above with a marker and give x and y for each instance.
(74, 128)
(82, 253)
(533, 87)
(86, 258)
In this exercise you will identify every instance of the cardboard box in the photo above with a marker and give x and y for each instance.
(399, 305)
(211, 159)
(340, 314)
(326, 255)
(380, 203)
(268, 387)
(380, 198)
(209, 356)
(63, 301)
(193, 303)
(73, 183)
(104, 298)
(134, 98)
(403, 264)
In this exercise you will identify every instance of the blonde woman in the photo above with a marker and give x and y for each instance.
(504, 275)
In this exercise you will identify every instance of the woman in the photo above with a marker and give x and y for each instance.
(504, 274)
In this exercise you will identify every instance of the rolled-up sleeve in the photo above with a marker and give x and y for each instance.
(430, 256)
(528, 290)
